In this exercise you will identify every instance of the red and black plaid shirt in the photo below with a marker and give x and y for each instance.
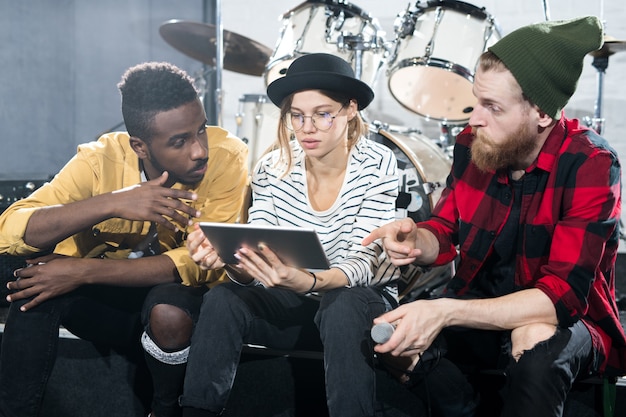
(568, 230)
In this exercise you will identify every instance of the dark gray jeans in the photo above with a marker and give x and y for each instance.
(101, 314)
(232, 315)
(536, 385)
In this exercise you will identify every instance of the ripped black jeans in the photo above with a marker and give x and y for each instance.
(535, 385)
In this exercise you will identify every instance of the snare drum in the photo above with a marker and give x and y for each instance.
(437, 47)
(333, 27)
(422, 168)
(257, 125)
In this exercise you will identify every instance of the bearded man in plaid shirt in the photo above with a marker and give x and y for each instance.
(532, 207)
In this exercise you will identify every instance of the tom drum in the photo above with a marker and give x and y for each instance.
(437, 47)
(334, 27)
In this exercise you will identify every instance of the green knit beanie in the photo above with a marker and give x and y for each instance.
(547, 58)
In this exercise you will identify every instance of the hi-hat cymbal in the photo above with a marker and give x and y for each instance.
(198, 41)
(610, 46)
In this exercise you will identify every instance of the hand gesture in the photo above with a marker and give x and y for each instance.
(152, 201)
(399, 239)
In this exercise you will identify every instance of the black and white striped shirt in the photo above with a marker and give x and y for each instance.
(365, 202)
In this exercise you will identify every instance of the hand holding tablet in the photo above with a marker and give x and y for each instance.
(297, 247)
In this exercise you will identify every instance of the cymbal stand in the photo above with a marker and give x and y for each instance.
(200, 81)
(212, 13)
(600, 63)
(546, 10)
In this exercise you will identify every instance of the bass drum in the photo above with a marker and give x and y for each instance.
(333, 27)
(422, 169)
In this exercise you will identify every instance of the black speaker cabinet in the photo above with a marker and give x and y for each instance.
(13, 190)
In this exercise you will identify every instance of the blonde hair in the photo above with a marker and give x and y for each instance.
(356, 128)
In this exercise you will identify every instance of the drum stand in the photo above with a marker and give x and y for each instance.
(600, 63)
(357, 44)
(447, 135)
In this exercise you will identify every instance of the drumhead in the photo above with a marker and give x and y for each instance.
(437, 47)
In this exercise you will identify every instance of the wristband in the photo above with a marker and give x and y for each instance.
(314, 283)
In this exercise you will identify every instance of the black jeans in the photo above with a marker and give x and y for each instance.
(232, 315)
(102, 314)
(536, 385)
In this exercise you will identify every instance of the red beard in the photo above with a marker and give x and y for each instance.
(490, 156)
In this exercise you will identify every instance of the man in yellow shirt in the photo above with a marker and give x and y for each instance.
(111, 225)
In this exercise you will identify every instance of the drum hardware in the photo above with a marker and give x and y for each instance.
(422, 169)
(358, 44)
(258, 119)
(430, 187)
(379, 125)
(404, 24)
(198, 41)
(199, 79)
(257, 124)
(447, 136)
(546, 10)
(600, 63)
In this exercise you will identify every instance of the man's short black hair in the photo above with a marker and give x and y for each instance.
(150, 88)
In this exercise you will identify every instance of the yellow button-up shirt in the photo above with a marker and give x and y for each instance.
(110, 164)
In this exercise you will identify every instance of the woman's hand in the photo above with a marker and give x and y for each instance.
(268, 269)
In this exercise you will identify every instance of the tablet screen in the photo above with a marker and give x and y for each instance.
(295, 246)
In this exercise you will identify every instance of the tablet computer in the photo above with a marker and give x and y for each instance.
(295, 246)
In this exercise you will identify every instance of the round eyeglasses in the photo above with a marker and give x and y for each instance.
(322, 120)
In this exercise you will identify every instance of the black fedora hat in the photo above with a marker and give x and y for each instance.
(320, 72)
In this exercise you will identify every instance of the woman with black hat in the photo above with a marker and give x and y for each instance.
(327, 175)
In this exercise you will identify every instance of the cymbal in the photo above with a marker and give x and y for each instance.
(610, 46)
(198, 41)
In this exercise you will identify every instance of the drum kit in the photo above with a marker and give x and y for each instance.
(427, 73)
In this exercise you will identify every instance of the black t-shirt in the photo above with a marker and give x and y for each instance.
(497, 277)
